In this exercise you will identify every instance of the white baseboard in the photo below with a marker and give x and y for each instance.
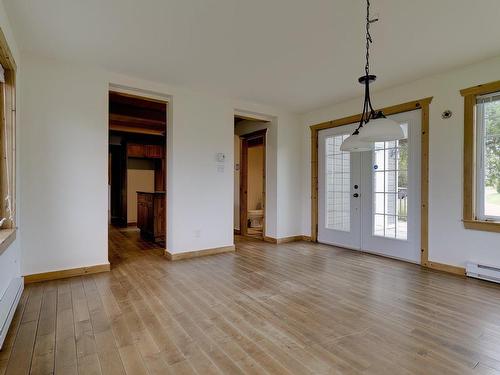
(8, 305)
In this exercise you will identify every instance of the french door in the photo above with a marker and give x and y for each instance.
(339, 221)
(370, 201)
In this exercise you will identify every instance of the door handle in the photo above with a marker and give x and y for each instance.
(355, 195)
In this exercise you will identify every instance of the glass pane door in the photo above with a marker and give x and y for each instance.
(391, 196)
(338, 184)
(339, 221)
(390, 188)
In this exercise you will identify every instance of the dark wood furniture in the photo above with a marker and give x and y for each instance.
(136, 150)
(151, 215)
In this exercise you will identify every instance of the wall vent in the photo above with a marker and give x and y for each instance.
(483, 271)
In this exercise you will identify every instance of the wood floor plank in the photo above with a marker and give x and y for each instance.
(11, 334)
(132, 360)
(20, 360)
(295, 308)
(243, 321)
(102, 311)
(65, 356)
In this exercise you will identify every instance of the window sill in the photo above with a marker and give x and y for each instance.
(7, 236)
(488, 226)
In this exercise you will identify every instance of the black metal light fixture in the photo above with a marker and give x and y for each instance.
(373, 126)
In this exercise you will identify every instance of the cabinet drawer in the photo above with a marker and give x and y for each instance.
(144, 198)
(154, 151)
(136, 151)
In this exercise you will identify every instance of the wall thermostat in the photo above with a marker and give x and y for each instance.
(446, 114)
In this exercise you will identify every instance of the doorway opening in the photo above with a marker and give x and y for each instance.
(250, 176)
(137, 174)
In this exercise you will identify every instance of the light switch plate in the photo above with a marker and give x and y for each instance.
(221, 157)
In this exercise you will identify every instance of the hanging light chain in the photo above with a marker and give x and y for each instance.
(383, 129)
(368, 111)
(368, 38)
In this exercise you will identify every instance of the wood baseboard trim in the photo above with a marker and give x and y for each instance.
(286, 239)
(199, 253)
(269, 239)
(237, 231)
(63, 274)
(445, 268)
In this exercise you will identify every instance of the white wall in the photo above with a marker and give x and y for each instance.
(290, 152)
(449, 242)
(64, 139)
(64, 184)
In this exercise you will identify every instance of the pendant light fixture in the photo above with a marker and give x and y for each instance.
(373, 125)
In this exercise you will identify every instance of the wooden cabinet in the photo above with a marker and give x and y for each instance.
(151, 215)
(154, 151)
(135, 150)
(145, 216)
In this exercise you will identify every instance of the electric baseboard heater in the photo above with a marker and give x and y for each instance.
(483, 271)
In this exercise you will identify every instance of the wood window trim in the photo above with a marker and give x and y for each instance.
(8, 117)
(470, 220)
(422, 104)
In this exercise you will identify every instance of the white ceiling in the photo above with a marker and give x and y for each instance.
(299, 54)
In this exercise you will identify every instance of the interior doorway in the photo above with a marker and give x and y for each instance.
(137, 171)
(250, 177)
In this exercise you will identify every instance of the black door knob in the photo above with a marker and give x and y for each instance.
(355, 195)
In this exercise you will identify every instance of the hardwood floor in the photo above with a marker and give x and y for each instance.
(295, 308)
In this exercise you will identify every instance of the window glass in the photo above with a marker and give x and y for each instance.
(488, 158)
(390, 188)
(338, 183)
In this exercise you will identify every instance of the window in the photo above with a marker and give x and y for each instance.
(488, 157)
(481, 194)
(7, 145)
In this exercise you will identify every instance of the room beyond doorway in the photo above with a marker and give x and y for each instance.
(250, 176)
(137, 166)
